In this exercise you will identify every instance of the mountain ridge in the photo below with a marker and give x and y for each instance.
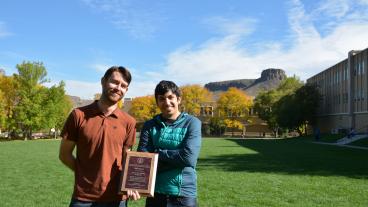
(270, 79)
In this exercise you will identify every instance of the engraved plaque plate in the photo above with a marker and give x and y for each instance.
(140, 173)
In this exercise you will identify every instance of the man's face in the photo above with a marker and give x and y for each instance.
(169, 105)
(114, 88)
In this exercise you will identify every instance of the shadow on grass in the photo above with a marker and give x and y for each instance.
(290, 156)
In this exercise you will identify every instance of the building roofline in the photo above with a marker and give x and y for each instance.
(354, 52)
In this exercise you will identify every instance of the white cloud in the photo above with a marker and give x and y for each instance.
(312, 45)
(100, 67)
(134, 17)
(142, 84)
(8, 70)
(363, 2)
(141, 88)
(4, 32)
(334, 8)
(85, 90)
(305, 53)
(242, 26)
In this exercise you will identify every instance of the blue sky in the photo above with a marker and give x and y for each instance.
(189, 42)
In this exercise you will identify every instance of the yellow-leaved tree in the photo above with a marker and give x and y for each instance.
(8, 100)
(233, 106)
(193, 97)
(144, 108)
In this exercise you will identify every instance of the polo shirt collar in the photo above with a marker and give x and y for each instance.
(96, 110)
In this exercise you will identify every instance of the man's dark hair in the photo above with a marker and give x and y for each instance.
(165, 86)
(122, 70)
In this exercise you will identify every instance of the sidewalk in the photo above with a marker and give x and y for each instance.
(341, 145)
(347, 140)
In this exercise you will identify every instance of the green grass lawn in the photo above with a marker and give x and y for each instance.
(231, 172)
(360, 143)
(330, 138)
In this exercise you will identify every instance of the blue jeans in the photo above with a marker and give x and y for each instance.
(78, 203)
(161, 200)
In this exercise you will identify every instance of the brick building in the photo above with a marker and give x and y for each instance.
(344, 87)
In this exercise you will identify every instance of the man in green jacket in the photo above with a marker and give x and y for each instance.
(176, 137)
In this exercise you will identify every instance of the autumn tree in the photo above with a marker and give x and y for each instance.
(9, 98)
(144, 108)
(193, 97)
(2, 110)
(233, 105)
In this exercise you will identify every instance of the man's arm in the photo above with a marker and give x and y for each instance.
(145, 140)
(187, 155)
(66, 153)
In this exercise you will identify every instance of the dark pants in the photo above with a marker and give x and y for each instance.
(78, 203)
(161, 200)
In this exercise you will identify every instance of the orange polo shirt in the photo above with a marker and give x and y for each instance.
(99, 142)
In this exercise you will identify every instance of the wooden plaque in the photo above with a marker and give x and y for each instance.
(139, 173)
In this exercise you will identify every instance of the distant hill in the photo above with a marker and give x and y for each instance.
(270, 79)
(78, 102)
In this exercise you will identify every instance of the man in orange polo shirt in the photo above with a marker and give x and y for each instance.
(101, 133)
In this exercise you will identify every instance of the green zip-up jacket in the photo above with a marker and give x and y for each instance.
(178, 145)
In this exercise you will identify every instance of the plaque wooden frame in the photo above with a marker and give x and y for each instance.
(139, 173)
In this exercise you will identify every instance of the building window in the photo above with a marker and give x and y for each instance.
(363, 71)
(337, 77)
(362, 95)
(347, 73)
(357, 69)
(206, 111)
(358, 94)
(345, 97)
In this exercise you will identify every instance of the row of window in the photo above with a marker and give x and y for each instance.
(359, 68)
(343, 98)
(209, 111)
(337, 76)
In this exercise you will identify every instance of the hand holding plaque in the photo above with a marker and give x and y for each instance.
(139, 173)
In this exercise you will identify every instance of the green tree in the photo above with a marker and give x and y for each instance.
(193, 97)
(289, 85)
(233, 106)
(29, 106)
(56, 107)
(308, 99)
(217, 126)
(264, 106)
(267, 104)
(29, 110)
(296, 111)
